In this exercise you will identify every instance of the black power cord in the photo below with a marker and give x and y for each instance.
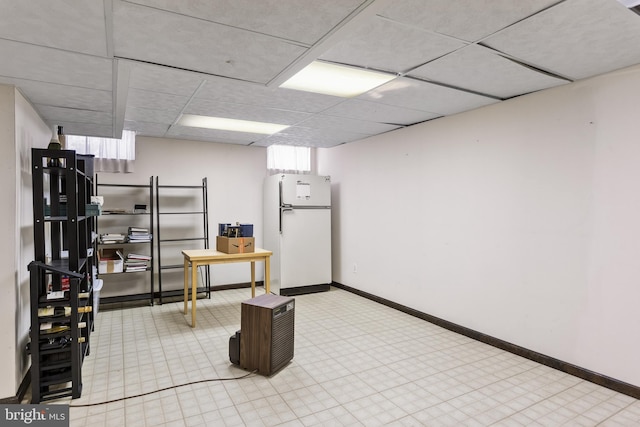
(163, 389)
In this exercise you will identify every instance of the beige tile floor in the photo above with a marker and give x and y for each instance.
(356, 363)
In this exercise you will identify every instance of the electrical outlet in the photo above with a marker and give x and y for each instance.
(355, 268)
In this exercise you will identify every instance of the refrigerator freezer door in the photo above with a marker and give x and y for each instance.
(305, 248)
(306, 190)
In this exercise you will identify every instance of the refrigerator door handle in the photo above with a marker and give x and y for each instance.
(284, 208)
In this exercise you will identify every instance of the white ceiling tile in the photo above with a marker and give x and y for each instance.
(160, 37)
(228, 110)
(304, 21)
(64, 24)
(419, 95)
(55, 55)
(212, 135)
(381, 113)
(136, 114)
(156, 100)
(577, 38)
(468, 20)
(59, 115)
(87, 129)
(228, 90)
(62, 96)
(38, 63)
(163, 79)
(479, 69)
(296, 135)
(145, 128)
(385, 45)
(322, 121)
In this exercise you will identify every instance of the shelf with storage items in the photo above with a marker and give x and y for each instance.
(125, 230)
(61, 276)
(182, 218)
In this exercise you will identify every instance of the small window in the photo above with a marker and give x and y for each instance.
(111, 155)
(289, 158)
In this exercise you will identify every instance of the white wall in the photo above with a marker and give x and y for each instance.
(20, 129)
(234, 173)
(520, 220)
(8, 250)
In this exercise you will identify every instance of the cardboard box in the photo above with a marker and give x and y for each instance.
(110, 260)
(235, 245)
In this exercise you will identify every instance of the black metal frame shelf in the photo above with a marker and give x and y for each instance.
(58, 342)
(150, 270)
(204, 238)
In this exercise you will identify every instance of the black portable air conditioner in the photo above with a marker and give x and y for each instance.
(266, 333)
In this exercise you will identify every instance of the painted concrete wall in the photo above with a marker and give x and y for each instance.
(20, 129)
(234, 175)
(518, 220)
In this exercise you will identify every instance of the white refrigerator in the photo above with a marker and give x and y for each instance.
(297, 228)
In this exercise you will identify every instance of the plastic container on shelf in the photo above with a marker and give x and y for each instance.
(97, 286)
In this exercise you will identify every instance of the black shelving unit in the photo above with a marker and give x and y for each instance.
(118, 216)
(61, 283)
(194, 241)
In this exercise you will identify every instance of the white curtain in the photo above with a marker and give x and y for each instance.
(111, 155)
(289, 158)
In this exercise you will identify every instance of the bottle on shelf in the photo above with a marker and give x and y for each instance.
(61, 138)
(54, 144)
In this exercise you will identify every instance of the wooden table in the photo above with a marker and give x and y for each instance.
(198, 257)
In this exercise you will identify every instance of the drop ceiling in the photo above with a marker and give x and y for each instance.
(98, 67)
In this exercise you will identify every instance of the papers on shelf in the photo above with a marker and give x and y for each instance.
(55, 295)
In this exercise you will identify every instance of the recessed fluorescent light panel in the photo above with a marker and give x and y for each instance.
(234, 125)
(336, 80)
(630, 3)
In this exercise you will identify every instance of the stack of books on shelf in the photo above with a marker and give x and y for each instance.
(139, 235)
(109, 238)
(136, 262)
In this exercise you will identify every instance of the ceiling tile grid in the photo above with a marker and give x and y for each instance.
(476, 68)
(61, 115)
(69, 25)
(323, 138)
(156, 101)
(305, 21)
(163, 79)
(322, 121)
(381, 113)
(254, 113)
(381, 44)
(469, 20)
(420, 95)
(86, 129)
(93, 66)
(32, 62)
(147, 128)
(51, 94)
(183, 132)
(188, 43)
(226, 90)
(148, 115)
(576, 39)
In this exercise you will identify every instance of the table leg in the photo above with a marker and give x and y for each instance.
(267, 275)
(194, 292)
(253, 279)
(186, 284)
